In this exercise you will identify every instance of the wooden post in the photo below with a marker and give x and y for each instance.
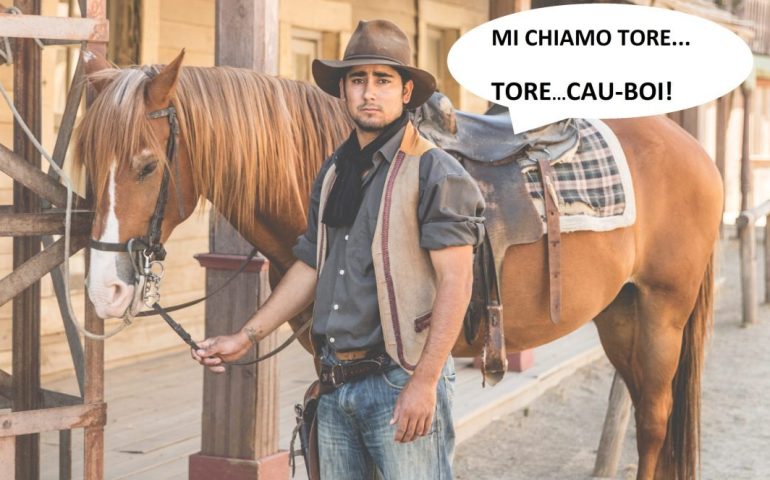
(767, 259)
(614, 431)
(748, 254)
(747, 200)
(93, 436)
(240, 418)
(26, 306)
(724, 104)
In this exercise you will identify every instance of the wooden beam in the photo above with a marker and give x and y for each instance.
(34, 179)
(31, 271)
(93, 437)
(46, 223)
(27, 98)
(747, 193)
(55, 28)
(240, 415)
(614, 431)
(65, 455)
(48, 398)
(52, 419)
(7, 457)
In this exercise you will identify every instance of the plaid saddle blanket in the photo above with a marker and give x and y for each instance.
(593, 183)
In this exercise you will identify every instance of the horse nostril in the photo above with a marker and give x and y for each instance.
(118, 293)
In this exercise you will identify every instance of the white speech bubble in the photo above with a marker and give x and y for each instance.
(576, 61)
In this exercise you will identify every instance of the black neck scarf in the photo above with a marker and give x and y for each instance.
(352, 161)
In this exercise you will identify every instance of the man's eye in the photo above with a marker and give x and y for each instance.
(147, 170)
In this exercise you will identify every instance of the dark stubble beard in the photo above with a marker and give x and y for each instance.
(368, 128)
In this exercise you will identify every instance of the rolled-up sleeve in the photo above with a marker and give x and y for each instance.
(305, 248)
(451, 206)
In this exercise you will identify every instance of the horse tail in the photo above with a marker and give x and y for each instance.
(682, 445)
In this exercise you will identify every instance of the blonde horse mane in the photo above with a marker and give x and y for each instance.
(255, 141)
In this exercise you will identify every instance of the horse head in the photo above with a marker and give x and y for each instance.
(128, 145)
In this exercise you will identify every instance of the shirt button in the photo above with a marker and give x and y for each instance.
(331, 339)
(346, 237)
(336, 306)
(342, 272)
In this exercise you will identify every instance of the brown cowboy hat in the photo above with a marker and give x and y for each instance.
(378, 42)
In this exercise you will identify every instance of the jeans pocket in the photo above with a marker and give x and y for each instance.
(395, 378)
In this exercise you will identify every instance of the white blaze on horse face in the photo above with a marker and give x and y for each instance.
(110, 295)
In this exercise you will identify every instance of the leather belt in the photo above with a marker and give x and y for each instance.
(334, 376)
(356, 354)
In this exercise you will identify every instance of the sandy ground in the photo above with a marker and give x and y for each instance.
(557, 436)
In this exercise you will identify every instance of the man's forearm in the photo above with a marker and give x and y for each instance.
(291, 296)
(452, 297)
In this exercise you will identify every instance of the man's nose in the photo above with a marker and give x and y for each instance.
(369, 91)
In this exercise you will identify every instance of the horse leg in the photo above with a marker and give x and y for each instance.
(655, 358)
(654, 338)
(646, 357)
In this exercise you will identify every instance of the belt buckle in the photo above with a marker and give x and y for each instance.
(337, 375)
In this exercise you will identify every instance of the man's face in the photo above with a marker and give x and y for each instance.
(375, 95)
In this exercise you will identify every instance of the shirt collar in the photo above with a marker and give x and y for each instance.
(389, 150)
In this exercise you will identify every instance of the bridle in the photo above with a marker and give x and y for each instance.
(147, 253)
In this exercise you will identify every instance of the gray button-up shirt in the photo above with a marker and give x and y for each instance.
(346, 312)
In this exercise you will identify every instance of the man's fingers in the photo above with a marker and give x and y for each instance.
(405, 431)
(425, 426)
(218, 369)
(212, 361)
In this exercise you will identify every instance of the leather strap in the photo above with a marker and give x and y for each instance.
(553, 238)
(333, 377)
(494, 360)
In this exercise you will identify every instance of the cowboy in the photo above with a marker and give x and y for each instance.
(387, 259)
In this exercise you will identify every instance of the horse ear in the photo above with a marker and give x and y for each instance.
(94, 64)
(161, 88)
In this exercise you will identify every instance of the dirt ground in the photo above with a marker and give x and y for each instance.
(557, 436)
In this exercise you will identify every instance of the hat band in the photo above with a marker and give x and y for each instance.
(373, 57)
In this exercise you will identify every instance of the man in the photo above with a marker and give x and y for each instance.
(387, 258)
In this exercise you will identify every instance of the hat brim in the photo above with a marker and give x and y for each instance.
(327, 75)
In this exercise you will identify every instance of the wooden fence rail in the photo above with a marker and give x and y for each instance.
(747, 234)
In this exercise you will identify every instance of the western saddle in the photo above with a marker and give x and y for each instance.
(494, 155)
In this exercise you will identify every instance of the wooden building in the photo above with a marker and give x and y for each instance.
(154, 31)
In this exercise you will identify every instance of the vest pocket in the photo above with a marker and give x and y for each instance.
(422, 322)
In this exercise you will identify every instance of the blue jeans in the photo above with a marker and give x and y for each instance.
(356, 439)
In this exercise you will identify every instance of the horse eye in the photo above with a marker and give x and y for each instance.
(147, 169)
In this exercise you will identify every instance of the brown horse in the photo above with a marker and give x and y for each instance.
(251, 144)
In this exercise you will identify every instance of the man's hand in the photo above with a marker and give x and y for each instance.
(414, 410)
(214, 351)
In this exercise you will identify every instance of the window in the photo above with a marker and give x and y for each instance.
(306, 45)
(438, 43)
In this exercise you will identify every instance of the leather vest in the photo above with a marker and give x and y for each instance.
(406, 280)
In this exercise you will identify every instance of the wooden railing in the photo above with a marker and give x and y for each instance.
(758, 12)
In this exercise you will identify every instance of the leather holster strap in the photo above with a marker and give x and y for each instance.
(553, 232)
